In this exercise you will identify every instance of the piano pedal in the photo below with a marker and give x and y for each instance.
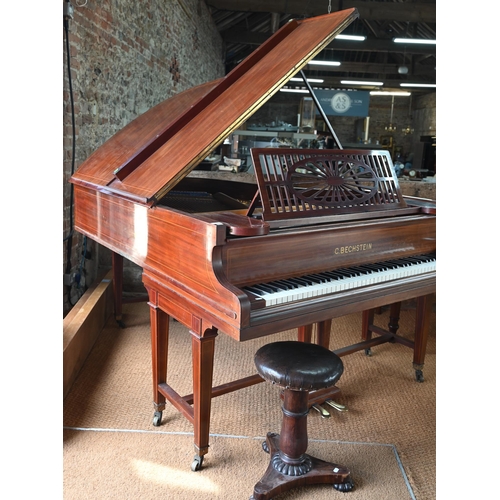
(335, 405)
(321, 411)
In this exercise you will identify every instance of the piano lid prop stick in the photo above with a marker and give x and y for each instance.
(320, 109)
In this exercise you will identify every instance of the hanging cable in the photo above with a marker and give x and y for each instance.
(68, 14)
(73, 138)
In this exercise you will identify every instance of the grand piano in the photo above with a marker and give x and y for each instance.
(324, 233)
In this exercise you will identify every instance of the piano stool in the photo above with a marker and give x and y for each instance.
(298, 368)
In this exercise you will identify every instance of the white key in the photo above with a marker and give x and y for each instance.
(347, 283)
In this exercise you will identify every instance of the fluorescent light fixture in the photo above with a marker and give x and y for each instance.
(354, 82)
(354, 38)
(312, 80)
(325, 63)
(299, 91)
(415, 40)
(387, 92)
(431, 85)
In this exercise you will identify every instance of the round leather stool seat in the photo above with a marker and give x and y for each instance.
(298, 366)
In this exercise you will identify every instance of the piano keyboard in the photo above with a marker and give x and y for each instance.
(328, 282)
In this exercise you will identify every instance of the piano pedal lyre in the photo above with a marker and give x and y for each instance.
(335, 405)
(321, 411)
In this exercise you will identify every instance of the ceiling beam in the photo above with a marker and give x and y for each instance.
(370, 45)
(374, 68)
(388, 84)
(418, 12)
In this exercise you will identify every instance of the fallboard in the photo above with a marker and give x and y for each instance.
(298, 251)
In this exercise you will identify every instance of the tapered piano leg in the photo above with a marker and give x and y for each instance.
(203, 348)
(323, 328)
(366, 333)
(117, 264)
(304, 333)
(394, 317)
(159, 349)
(422, 322)
(323, 333)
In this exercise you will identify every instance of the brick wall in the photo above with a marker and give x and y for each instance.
(125, 56)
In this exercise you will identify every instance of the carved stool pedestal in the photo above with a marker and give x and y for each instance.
(298, 368)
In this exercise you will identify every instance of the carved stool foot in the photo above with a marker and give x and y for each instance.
(274, 482)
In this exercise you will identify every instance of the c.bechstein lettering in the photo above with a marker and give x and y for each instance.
(360, 247)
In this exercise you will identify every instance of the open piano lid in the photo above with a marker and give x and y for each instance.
(149, 156)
